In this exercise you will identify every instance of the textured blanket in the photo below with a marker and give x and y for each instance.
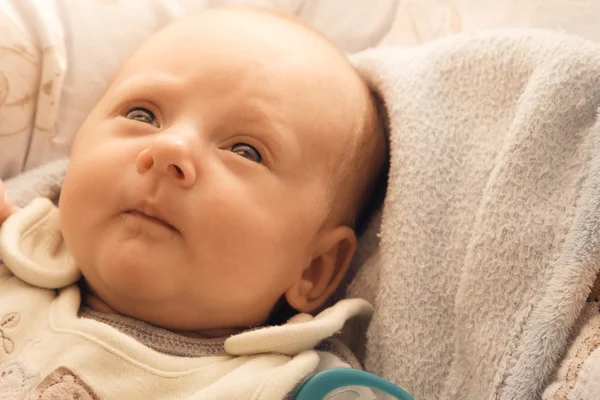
(488, 244)
(44, 181)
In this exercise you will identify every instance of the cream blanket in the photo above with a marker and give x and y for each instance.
(489, 234)
(488, 242)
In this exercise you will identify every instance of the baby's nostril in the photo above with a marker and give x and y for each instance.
(178, 170)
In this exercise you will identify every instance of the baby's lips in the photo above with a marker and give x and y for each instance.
(158, 211)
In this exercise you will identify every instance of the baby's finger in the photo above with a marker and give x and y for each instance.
(3, 203)
(2, 194)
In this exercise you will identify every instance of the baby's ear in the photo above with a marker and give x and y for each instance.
(331, 259)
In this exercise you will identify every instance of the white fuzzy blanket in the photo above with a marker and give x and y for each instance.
(489, 234)
(488, 242)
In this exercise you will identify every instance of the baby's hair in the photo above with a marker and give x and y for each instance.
(360, 185)
(376, 186)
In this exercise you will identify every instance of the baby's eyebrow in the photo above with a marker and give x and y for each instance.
(266, 122)
(152, 82)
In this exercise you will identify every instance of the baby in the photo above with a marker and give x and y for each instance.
(222, 175)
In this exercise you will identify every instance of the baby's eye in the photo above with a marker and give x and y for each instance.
(247, 151)
(142, 115)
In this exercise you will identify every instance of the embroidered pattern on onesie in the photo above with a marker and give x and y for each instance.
(16, 380)
(8, 322)
(63, 384)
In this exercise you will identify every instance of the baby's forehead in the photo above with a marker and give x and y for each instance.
(272, 64)
(252, 30)
(207, 45)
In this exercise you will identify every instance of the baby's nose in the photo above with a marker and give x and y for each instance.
(168, 156)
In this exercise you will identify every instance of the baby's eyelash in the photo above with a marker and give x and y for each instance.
(143, 115)
(247, 151)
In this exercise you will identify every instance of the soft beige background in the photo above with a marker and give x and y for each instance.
(418, 21)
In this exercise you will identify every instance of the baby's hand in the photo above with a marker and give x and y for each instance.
(6, 206)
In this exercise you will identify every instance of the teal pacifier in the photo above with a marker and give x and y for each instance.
(349, 384)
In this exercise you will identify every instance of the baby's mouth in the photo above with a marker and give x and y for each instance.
(152, 219)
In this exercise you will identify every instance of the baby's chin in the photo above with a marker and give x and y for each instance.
(110, 300)
(159, 316)
(112, 286)
(134, 270)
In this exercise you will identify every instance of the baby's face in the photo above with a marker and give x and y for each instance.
(198, 191)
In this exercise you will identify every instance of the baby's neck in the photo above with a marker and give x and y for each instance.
(94, 302)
